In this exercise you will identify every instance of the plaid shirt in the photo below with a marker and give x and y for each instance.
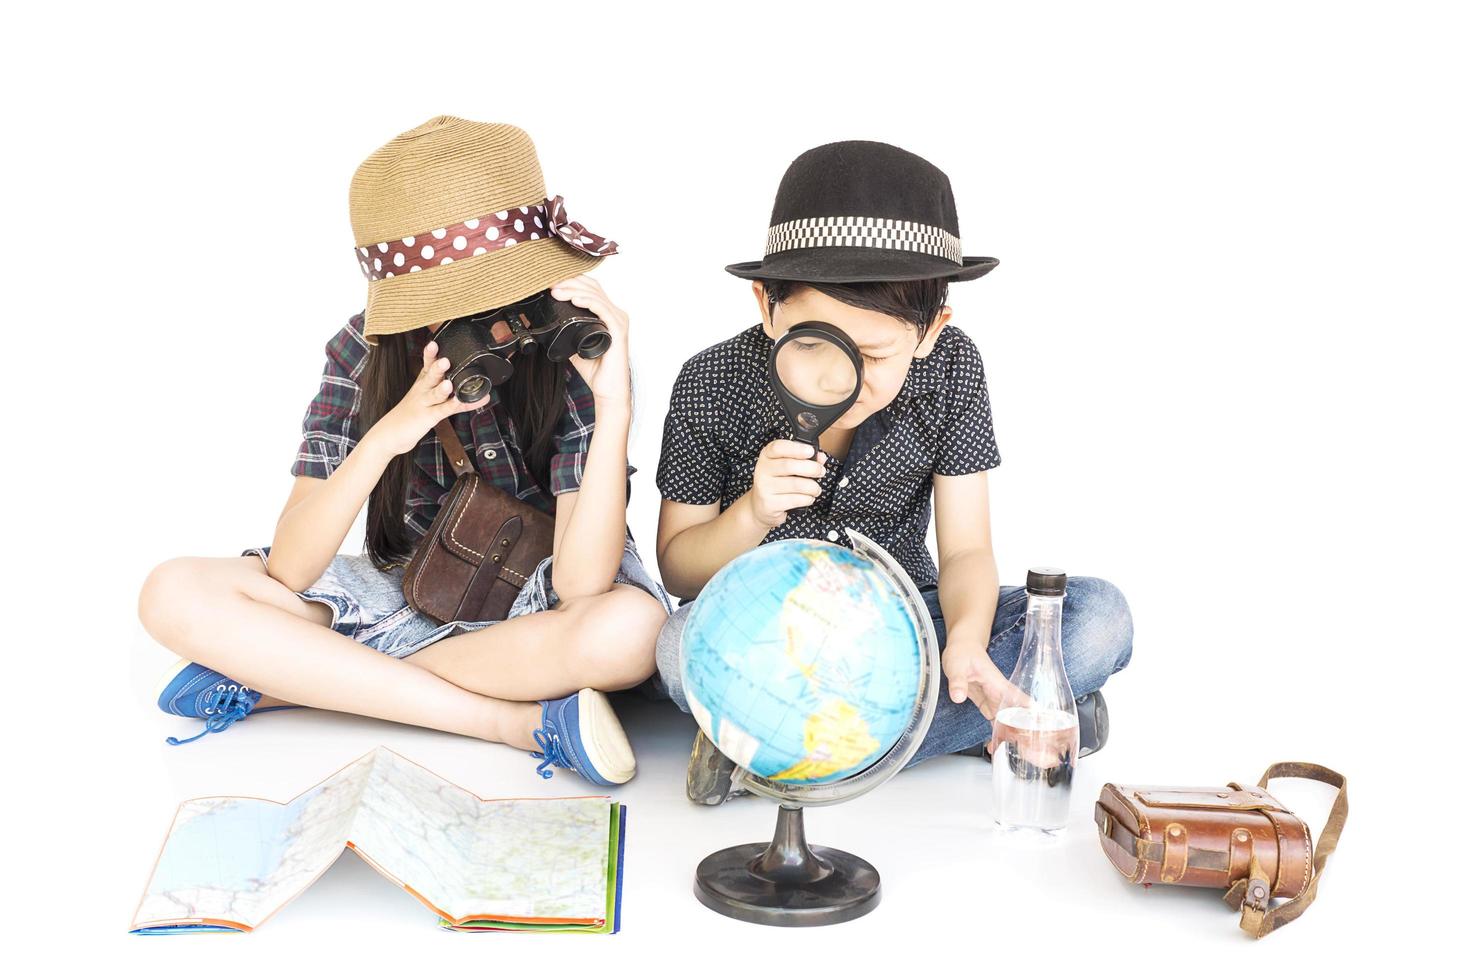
(330, 429)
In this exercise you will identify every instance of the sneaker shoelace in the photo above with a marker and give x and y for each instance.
(224, 705)
(551, 753)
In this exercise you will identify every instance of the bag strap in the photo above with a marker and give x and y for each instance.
(1252, 894)
(453, 448)
(1141, 849)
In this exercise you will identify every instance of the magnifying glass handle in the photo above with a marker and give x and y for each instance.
(816, 448)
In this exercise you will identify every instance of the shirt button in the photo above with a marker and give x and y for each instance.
(842, 482)
(831, 535)
(488, 454)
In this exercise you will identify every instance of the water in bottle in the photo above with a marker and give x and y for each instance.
(1036, 725)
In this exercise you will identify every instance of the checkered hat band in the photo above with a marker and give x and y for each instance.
(908, 236)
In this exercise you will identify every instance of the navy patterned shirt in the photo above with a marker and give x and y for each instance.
(330, 429)
(723, 411)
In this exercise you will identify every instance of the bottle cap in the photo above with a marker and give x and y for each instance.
(1046, 581)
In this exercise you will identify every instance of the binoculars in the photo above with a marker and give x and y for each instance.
(479, 346)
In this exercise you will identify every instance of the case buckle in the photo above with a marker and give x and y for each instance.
(1257, 895)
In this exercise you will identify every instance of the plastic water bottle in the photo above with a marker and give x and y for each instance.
(1036, 729)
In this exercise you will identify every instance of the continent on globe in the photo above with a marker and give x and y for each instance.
(806, 617)
(837, 739)
(801, 661)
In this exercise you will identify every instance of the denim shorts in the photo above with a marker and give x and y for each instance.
(368, 606)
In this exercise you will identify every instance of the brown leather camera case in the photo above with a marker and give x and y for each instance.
(1233, 837)
(482, 547)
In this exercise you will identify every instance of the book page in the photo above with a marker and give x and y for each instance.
(236, 860)
(548, 861)
(466, 856)
(416, 828)
(612, 910)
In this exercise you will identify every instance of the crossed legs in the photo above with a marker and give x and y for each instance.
(230, 616)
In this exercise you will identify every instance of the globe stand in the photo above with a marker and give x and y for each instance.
(787, 882)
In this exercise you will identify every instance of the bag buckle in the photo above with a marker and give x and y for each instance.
(1257, 894)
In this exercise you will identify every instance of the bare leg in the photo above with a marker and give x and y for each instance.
(229, 615)
(604, 641)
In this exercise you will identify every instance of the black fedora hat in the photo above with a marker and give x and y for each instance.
(862, 211)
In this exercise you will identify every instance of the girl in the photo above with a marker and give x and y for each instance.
(436, 213)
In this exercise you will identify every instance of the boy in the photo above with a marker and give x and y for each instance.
(864, 235)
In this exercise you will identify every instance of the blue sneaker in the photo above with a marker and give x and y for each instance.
(192, 690)
(582, 733)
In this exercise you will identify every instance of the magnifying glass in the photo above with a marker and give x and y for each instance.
(817, 372)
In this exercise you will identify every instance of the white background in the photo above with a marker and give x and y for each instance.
(1224, 346)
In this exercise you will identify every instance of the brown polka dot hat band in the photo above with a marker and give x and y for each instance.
(435, 213)
(476, 236)
(861, 211)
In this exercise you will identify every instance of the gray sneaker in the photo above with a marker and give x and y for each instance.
(1092, 728)
(712, 777)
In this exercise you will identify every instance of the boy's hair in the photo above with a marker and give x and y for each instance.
(916, 301)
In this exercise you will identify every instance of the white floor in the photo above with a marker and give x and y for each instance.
(952, 887)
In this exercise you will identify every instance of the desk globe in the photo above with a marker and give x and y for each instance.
(815, 667)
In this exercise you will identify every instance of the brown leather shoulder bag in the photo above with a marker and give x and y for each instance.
(1234, 837)
(482, 547)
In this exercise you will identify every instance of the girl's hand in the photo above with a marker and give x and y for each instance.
(608, 376)
(429, 399)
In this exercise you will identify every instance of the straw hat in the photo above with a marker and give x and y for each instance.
(452, 218)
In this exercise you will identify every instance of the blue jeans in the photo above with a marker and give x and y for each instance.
(1097, 642)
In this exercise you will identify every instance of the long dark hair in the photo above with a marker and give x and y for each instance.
(534, 399)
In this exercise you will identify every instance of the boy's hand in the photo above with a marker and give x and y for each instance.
(785, 477)
(972, 674)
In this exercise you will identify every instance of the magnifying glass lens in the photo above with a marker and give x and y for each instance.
(816, 371)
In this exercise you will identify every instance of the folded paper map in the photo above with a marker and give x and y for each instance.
(229, 863)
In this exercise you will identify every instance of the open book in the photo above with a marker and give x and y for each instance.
(229, 863)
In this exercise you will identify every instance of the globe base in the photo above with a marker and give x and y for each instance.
(787, 882)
